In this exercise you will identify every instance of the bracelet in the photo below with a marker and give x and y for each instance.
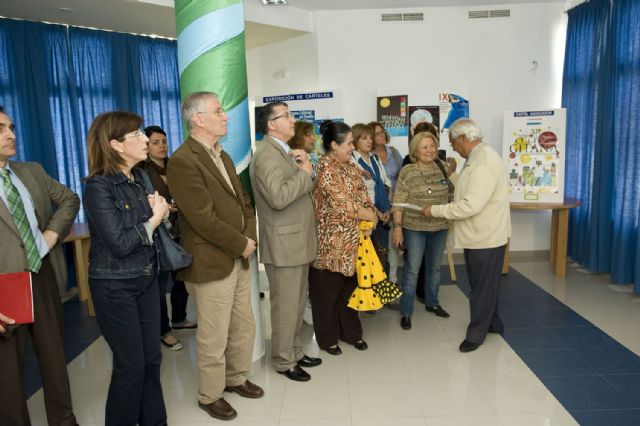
(398, 225)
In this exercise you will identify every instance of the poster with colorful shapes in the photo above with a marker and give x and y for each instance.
(392, 113)
(534, 151)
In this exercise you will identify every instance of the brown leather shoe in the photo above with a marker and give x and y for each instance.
(219, 409)
(247, 389)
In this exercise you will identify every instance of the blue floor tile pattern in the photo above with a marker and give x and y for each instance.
(593, 376)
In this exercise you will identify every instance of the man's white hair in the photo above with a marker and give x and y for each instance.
(193, 104)
(465, 127)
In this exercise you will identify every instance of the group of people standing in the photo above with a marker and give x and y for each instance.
(309, 212)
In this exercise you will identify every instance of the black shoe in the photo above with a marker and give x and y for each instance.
(361, 345)
(307, 361)
(334, 350)
(405, 323)
(467, 346)
(297, 374)
(437, 310)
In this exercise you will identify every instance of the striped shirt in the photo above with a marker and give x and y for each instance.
(422, 185)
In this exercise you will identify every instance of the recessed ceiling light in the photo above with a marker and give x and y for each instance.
(65, 9)
(274, 2)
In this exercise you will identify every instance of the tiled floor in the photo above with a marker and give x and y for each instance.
(564, 360)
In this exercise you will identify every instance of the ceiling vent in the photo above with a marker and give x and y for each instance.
(413, 16)
(399, 17)
(481, 14)
(391, 17)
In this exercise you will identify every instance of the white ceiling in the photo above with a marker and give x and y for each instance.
(313, 5)
(133, 16)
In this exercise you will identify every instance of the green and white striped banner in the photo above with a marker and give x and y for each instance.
(211, 57)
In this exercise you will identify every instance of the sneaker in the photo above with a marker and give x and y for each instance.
(171, 342)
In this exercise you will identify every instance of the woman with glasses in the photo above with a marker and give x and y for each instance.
(156, 167)
(422, 183)
(123, 266)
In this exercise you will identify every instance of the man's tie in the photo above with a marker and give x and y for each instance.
(16, 207)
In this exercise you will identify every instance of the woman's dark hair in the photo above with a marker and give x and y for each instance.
(149, 130)
(333, 131)
(425, 126)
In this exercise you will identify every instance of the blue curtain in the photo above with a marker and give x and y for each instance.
(55, 79)
(601, 91)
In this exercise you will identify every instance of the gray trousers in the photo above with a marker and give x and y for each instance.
(288, 294)
(484, 267)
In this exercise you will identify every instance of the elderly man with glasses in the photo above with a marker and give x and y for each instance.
(218, 228)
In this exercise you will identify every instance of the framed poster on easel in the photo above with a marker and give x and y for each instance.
(534, 152)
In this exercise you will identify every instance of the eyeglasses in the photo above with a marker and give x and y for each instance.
(219, 112)
(286, 115)
(379, 132)
(137, 134)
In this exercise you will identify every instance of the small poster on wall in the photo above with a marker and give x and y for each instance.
(314, 107)
(534, 149)
(418, 114)
(392, 113)
(452, 107)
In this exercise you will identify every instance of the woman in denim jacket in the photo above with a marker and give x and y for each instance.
(123, 266)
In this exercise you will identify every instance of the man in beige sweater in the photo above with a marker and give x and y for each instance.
(483, 226)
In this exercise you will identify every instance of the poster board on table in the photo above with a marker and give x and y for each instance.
(534, 152)
(313, 107)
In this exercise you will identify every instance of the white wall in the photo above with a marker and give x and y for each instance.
(489, 60)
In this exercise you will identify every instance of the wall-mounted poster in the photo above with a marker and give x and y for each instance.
(452, 107)
(392, 113)
(430, 114)
(312, 107)
(534, 149)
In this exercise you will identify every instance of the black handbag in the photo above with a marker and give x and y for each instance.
(171, 255)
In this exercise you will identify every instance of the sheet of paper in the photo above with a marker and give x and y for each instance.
(408, 206)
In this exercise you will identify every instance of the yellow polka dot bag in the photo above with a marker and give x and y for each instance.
(374, 289)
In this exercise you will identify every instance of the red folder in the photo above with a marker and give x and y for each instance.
(16, 297)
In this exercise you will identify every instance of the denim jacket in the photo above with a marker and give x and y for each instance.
(117, 209)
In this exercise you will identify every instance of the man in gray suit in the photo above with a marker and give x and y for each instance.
(282, 183)
(36, 213)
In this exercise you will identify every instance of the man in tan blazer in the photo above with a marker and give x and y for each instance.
(36, 213)
(282, 183)
(218, 228)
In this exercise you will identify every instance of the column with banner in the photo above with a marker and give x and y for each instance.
(211, 57)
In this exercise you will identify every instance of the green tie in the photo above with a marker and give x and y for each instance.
(22, 223)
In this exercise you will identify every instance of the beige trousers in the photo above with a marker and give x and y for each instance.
(288, 294)
(226, 332)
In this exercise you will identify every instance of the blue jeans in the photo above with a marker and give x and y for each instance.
(419, 245)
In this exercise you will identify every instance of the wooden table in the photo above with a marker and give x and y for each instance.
(558, 234)
(79, 235)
